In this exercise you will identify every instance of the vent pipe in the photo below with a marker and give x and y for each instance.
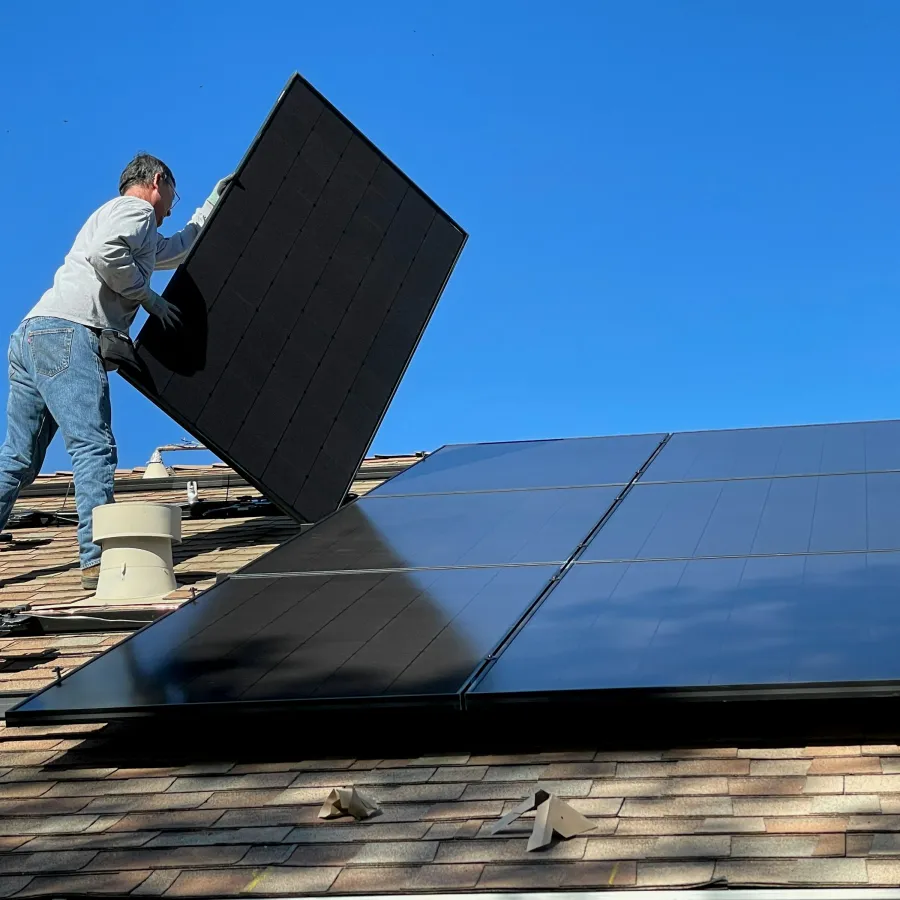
(136, 563)
(156, 468)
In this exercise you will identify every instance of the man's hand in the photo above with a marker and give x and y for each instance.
(219, 189)
(199, 218)
(158, 306)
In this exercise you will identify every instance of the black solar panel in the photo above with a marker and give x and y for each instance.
(526, 464)
(281, 641)
(304, 300)
(513, 527)
(711, 573)
(761, 452)
(769, 621)
(815, 514)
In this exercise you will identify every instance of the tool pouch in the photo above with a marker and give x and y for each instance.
(116, 350)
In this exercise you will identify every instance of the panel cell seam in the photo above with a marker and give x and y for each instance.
(244, 576)
(472, 681)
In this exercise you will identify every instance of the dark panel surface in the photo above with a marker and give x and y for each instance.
(526, 464)
(301, 638)
(303, 301)
(761, 452)
(818, 514)
(512, 527)
(721, 622)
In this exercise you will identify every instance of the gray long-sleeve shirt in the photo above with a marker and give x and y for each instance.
(106, 274)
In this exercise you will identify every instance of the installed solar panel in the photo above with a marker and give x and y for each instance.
(815, 514)
(282, 641)
(711, 573)
(303, 302)
(527, 464)
(445, 530)
(708, 623)
(761, 452)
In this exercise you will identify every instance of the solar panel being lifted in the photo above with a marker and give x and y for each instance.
(303, 301)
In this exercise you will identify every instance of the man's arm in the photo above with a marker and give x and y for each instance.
(129, 228)
(171, 251)
(113, 255)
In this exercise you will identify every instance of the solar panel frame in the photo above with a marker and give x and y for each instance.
(347, 387)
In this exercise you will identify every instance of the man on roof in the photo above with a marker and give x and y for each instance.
(58, 378)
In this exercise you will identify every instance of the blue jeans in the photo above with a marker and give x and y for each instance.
(57, 381)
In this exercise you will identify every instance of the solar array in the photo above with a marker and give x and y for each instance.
(743, 561)
(303, 301)
(756, 558)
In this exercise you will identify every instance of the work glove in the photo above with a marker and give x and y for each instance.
(219, 189)
(204, 212)
(158, 306)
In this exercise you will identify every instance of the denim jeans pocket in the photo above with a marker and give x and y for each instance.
(51, 350)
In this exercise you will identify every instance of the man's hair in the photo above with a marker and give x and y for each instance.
(142, 170)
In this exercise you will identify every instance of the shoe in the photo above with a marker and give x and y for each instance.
(90, 578)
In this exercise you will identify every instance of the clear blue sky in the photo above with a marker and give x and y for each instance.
(682, 214)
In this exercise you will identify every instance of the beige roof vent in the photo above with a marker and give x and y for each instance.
(156, 468)
(136, 539)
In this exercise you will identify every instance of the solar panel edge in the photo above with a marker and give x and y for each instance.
(558, 440)
(283, 504)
